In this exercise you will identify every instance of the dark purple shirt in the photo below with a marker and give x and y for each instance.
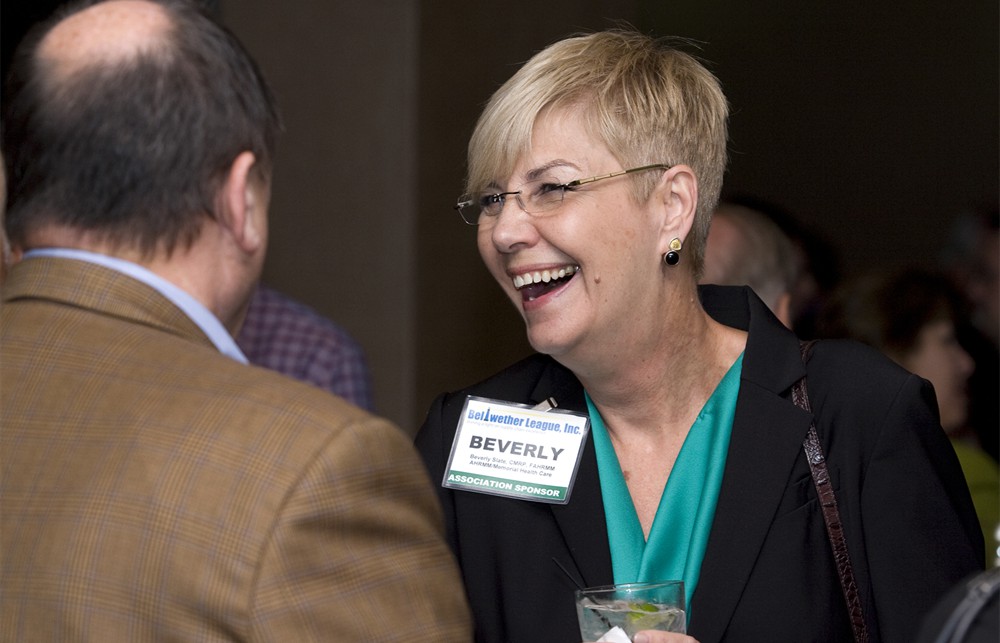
(287, 336)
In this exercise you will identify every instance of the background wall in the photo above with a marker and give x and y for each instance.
(875, 123)
(344, 209)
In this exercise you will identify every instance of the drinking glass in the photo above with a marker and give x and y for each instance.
(631, 607)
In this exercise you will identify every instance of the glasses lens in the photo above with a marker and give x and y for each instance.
(491, 203)
(543, 195)
(468, 208)
(474, 207)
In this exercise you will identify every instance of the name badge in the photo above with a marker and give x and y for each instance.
(516, 450)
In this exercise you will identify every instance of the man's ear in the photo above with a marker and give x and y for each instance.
(676, 195)
(242, 211)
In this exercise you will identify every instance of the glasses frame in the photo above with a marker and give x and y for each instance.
(464, 202)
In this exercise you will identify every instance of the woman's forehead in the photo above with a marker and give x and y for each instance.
(561, 140)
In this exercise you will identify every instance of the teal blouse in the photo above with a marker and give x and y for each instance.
(679, 534)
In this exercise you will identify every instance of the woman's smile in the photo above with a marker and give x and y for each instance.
(533, 284)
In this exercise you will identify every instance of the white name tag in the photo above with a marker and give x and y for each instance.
(507, 449)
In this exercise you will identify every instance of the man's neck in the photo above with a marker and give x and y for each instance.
(201, 269)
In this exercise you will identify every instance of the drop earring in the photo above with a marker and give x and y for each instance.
(672, 258)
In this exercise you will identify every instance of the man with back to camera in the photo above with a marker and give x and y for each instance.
(153, 485)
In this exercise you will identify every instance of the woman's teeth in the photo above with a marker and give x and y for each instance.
(545, 276)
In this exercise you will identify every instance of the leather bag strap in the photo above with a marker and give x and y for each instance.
(831, 515)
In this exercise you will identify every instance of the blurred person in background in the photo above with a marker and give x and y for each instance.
(911, 315)
(287, 336)
(815, 262)
(972, 259)
(746, 247)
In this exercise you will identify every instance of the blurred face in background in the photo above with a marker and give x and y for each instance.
(938, 358)
(983, 285)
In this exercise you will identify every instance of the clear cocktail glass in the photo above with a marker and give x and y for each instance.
(631, 607)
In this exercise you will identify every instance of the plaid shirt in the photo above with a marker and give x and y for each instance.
(289, 337)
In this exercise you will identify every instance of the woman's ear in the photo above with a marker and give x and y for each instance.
(243, 211)
(676, 196)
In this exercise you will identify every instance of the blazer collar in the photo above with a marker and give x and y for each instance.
(772, 358)
(85, 285)
(766, 442)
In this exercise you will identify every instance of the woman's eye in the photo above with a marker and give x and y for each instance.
(546, 188)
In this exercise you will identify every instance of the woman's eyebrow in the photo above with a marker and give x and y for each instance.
(538, 172)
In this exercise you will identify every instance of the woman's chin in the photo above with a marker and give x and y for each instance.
(548, 343)
(541, 342)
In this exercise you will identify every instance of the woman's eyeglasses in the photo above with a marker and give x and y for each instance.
(534, 197)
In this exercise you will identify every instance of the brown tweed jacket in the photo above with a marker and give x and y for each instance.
(152, 489)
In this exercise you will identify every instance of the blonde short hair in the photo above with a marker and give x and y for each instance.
(644, 99)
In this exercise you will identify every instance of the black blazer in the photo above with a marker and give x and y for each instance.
(768, 572)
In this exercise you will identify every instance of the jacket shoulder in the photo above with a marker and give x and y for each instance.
(853, 368)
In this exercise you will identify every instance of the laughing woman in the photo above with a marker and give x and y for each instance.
(593, 173)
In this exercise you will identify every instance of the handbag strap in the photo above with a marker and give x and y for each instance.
(828, 501)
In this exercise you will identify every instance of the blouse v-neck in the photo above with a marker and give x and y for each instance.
(679, 533)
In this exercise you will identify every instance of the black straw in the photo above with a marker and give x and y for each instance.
(579, 586)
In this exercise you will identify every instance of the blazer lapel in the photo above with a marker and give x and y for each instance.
(768, 431)
(583, 527)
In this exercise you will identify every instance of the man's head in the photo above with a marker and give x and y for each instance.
(124, 120)
(746, 247)
(645, 100)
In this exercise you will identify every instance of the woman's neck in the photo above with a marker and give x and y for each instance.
(661, 385)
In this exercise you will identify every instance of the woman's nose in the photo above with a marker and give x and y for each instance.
(512, 227)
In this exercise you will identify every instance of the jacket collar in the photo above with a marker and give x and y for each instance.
(105, 291)
(766, 442)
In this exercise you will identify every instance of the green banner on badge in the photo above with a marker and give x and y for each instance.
(458, 479)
